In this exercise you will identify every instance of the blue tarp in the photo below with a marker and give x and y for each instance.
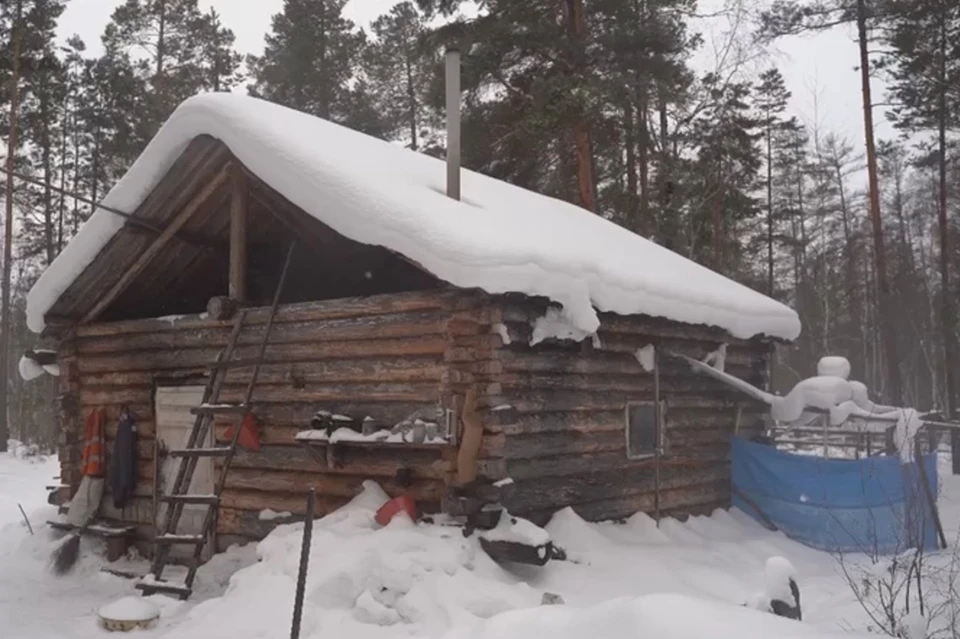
(875, 505)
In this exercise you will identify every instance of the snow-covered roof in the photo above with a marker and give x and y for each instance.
(499, 238)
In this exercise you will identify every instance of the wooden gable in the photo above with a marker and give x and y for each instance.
(175, 252)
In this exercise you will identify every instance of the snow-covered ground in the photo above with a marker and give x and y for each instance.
(631, 580)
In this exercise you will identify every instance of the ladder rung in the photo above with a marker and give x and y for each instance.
(220, 409)
(221, 451)
(212, 500)
(150, 586)
(235, 363)
(171, 538)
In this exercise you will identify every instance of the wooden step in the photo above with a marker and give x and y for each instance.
(170, 538)
(220, 409)
(149, 586)
(211, 500)
(220, 451)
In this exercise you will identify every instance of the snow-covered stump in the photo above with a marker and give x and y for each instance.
(781, 595)
(782, 589)
(129, 613)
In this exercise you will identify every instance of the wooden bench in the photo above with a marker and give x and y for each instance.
(117, 537)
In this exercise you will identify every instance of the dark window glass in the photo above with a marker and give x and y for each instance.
(643, 434)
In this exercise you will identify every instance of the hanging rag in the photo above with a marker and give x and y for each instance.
(123, 462)
(93, 458)
(86, 501)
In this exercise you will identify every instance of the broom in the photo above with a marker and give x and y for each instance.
(65, 556)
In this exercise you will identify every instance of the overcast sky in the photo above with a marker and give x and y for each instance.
(820, 70)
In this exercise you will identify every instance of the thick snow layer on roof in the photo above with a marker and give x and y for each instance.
(499, 238)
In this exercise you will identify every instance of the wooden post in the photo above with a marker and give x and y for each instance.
(239, 205)
(304, 562)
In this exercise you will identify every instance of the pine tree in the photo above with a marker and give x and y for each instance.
(42, 120)
(309, 59)
(401, 68)
(924, 66)
(187, 52)
(771, 101)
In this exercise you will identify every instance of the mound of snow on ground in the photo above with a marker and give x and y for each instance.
(627, 580)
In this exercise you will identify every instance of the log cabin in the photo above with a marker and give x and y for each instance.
(530, 339)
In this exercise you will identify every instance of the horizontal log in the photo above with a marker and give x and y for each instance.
(540, 445)
(326, 484)
(604, 362)
(427, 393)
(525, 311)
(368, 462)
(407, 325)
(301, 312)
(677, 500)
(536, 494)
(97, 397)
(245, 525)
(197, 358)
(386, 370)
(633, 385)
(568, 465)
(278, 502)
(578, 401)
(138, 510)
(298, 414)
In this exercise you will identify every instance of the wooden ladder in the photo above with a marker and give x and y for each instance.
(166, 534)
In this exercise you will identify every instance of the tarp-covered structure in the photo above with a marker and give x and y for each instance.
(875, 505)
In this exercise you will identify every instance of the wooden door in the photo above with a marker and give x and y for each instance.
(174, 423)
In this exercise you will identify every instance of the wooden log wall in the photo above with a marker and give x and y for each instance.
(561, 415)
(383, 356)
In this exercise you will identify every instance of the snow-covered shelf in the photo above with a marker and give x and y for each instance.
(330, 450)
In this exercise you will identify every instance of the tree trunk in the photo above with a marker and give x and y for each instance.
(46, 154)
(158, 84)
(667, 223)
(646, 222)
(769, 208)
(577, 30)
(411, 101)
(948, 321)
(630, 144)
(718, 221)
(5, 319)
(324, 80)
(215, 23)
(887, 331)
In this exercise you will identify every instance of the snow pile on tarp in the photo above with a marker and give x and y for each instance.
(499, 237)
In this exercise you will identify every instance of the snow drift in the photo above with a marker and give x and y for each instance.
(499, 238)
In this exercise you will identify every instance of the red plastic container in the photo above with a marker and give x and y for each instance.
(394, 507)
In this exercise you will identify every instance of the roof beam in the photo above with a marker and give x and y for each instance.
(201, 198)
(239, 214)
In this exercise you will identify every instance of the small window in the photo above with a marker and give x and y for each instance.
(644, 427)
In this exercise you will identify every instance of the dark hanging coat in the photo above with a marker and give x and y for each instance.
(123, 462)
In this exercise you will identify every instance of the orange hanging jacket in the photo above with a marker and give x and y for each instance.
(93, 460)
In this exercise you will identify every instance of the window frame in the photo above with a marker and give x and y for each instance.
(660, 408)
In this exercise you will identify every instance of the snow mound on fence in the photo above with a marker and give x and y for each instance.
(499, 238)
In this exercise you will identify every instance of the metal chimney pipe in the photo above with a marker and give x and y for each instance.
(453, 122)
